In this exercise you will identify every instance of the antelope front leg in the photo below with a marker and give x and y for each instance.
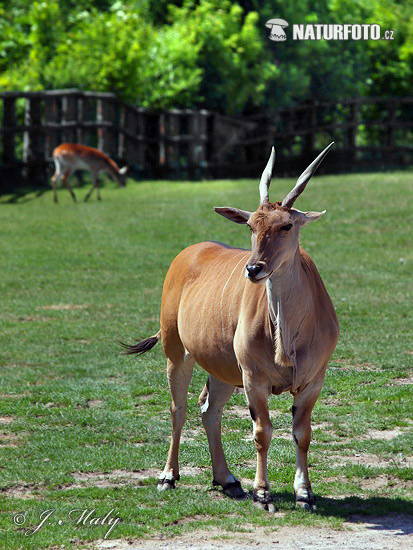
(212, 401)
(54, 180)
(302, 408)
(257, 397)
(179, 377)
(66, 183)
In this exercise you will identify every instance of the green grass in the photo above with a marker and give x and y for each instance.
(70, 403)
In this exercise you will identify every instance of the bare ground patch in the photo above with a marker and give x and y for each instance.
(35, 318)
(406, 381)
(375, 533)
(119, 478)
(63, 307)
(6, 419)
(242, 411)
(190, 434)
(367, 459)
(8, 439)
(345, 364)
(384, 481)
(92, 403)
(20, 490)
(386, 435)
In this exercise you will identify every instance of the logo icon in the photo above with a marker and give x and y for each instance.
(277, 31)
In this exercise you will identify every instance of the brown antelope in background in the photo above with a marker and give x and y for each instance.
(260, 319)
(69, 157)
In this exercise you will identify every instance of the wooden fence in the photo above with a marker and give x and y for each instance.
(370, 133)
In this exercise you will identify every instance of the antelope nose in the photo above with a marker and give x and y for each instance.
(253, 270)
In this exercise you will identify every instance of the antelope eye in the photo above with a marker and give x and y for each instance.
(286, 227)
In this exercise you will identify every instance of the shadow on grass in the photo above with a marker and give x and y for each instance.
(22, 194)
(384, 513)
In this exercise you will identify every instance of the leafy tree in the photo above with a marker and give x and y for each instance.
(203, 53)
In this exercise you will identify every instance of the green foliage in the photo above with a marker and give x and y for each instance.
(203, 53)
(235, 65)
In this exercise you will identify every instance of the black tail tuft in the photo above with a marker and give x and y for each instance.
(140, 347)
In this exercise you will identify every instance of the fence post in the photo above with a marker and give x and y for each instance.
(104, 117)
(311, 125)
(33, 142)
(172, 141)
(80, 118)
(52, 118)
(197, 153)
(9, 123)
(162, 153)
(69, 108)
(10, 171)
(352, 132)
(391, 154)
(121, 135)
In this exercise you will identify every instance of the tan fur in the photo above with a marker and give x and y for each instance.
(69, 157)
(261, 319)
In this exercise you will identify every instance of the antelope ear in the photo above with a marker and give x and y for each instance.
(233, 214)
(312, 216)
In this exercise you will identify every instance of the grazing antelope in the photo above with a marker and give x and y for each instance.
(260, 319)
(69, 157)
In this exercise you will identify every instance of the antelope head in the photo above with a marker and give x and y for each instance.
(275, 226)
(122, 176)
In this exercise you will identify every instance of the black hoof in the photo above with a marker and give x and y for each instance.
(306, 503)
(232, 490)
(263, 499)
(165, 484)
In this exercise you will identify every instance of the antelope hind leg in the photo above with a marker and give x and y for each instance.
(179, 377)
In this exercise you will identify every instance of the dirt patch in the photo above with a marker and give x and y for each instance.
(62, 307)
(23, 491)
(118, 478)
(367, 459)
(92, 403)
(190, 435)
(242, 411)
(282, 434)
(381, 482)
(142, 398)
(375, 533)
(345, 364)
(6, 419)
(36, 318)
(8, 439)
(386, 435)
(402, 381)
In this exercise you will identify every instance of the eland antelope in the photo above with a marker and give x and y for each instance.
(69, 157)
(260, 319)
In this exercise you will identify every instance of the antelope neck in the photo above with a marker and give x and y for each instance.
(287, 303)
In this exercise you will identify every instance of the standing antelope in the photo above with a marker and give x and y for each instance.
(259, 319)
(69, 157)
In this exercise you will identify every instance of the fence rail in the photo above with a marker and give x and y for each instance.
(370, 133)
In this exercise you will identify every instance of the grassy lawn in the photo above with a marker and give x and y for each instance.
(83, 427)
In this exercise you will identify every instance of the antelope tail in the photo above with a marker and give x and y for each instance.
(143, 346)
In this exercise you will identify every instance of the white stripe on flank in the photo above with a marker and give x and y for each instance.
(225, 286)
